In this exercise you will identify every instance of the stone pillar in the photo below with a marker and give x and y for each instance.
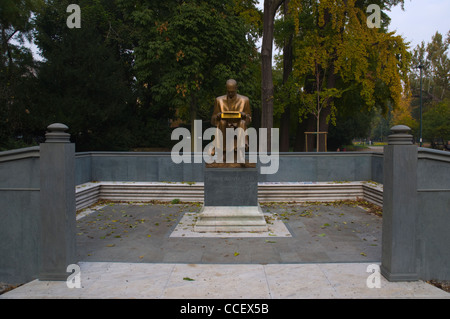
(398, 260)
(57, 204)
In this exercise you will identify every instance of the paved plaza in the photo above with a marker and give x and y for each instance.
(312, 250)
(158, 233)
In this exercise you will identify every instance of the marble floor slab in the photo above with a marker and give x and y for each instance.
(106, 280)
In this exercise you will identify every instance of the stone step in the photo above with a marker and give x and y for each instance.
(89, 193)
(231, 219)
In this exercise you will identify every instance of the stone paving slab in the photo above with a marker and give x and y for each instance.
(128, 251)
(146, 233)
(106, 280)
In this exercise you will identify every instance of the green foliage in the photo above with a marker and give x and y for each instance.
(86, 81)
(17, 73)
(436, 121)
(187, 51)
(337, 57)
(341, 42)
(434, 57)
(132, 68)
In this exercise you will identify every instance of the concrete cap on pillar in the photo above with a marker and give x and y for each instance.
(400, 135)
(57, 134)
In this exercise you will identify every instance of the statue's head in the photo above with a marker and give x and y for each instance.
(231, 88)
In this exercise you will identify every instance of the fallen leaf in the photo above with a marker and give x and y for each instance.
(188, 279)
(236, 253)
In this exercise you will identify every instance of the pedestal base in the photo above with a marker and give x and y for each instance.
(231, 219)
(231, 186)
(231, 201)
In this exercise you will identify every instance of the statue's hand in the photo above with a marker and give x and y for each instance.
(219, 115)
(243, 115)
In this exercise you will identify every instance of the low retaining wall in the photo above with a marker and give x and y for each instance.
(293, 167)
(38, 202)
(19, 214)
(89, 193)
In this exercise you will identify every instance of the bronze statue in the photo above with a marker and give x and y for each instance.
(231, 111)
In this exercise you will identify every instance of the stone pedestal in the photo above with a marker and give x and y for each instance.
(231, 186)
(398, 258)
(231, 201)
(57, 205)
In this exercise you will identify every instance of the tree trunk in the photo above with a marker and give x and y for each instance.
(324, 125)
(193, 118)
(307, 125)
(270, 8)
(287, 70)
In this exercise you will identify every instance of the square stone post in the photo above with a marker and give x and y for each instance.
(57, 204)
(398, 260)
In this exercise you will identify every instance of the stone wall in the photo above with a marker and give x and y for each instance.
(38, 188)
(433, 214)
(19, 213)
(293, 167)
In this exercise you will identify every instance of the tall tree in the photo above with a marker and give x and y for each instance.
(336, 53)
(86, 80)
(267, 89)
(287, 37)
(17, 70)
(436, 122)
(187, 50)
(434, 59)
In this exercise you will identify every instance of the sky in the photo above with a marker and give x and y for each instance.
(420, 20)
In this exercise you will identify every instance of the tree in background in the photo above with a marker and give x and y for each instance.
(436, 72)
(336, 54)
(185, 52)
(136, 66)
(436, 123)
(130, 70)
(434, 56)
(17, 72)
(267, 84)
(86, 80)
(402, 115)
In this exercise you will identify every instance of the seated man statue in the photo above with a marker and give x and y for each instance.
(231, 111)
